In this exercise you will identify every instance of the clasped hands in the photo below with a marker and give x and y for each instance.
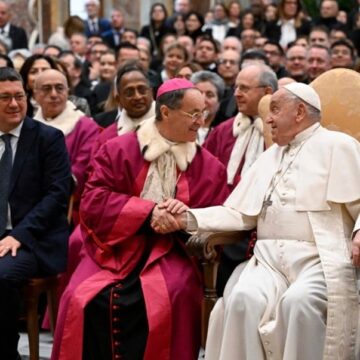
(168, 216)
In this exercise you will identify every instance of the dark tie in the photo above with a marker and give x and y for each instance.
(94, 27)
(5, 174)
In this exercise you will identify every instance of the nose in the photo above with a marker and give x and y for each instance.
(13, 102)
(268, 119)
(200, 121)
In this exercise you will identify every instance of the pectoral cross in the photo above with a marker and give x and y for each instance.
(267, 202)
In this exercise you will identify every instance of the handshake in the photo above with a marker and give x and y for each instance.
(169, 216)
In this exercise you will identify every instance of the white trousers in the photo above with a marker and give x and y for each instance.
(274, 308)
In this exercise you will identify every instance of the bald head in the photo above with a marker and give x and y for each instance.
(49, 74)
(51, 92)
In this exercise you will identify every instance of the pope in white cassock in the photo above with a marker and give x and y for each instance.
(297, 298)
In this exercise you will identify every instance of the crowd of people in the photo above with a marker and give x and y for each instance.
(158, 133)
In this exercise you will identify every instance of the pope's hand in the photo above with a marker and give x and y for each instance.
(9, 244)
(355, 252)
(173, 206)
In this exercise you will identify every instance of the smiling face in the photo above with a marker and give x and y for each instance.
(134, 94)
(283, 117)
(107, 66)
(174, 59)
(176, 124)
(12, 112)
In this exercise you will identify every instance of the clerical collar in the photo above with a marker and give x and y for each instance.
(299, 138)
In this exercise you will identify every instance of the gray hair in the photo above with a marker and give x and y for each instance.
(215, 79)
(171, 99)
(314, 114)
(267, 77)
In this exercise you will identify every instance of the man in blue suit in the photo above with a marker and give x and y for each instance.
(34, 188)
(93, 24)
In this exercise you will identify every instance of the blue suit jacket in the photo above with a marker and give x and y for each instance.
(103, 25)
(39, 191)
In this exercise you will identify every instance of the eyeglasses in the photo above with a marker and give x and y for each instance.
(7, 98)
(228, 61)
(245, 89)
(59, 88)
(196, 115)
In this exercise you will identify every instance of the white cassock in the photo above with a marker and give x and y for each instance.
(297, 297)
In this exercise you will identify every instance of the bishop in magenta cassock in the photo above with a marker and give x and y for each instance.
(136, 294)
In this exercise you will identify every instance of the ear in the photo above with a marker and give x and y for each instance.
(164, 111)
(301, 113)
(268, 90)
(117, 98)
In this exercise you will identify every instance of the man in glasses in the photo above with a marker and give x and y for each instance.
(140, 292)
(237, 143)
(51, 93)
(34, 188)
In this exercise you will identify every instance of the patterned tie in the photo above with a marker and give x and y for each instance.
(5, 174)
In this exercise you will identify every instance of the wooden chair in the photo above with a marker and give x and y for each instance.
(32, 291)
(206, 247)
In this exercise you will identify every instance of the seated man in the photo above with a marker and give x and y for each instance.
(136, 294)
(51, 92)
(297, 297)
(134, 96)
(34, 188)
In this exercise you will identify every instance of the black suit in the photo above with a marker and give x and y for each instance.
(18, 37)
(38, 195)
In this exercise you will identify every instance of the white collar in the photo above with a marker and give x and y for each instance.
(303, 135)
(125, 123)
(65, 121)
(152, 145)
(243, 122)
(14, 132)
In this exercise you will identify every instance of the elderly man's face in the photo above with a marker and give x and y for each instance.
(51, 92)
(134, 94)
(12, 105)
(92, 9)
(247, 91)
(178, 125)
(282, 118)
